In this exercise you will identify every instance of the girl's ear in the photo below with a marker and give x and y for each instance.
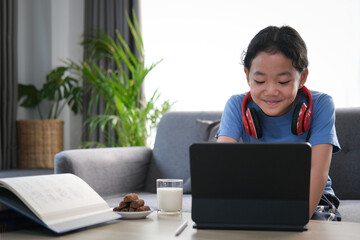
(303, 77)
(247, 75)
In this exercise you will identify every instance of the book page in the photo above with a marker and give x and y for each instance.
(56, 197)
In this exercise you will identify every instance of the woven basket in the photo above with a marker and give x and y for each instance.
(39, 141)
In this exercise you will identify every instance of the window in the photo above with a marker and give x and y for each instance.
(201, 42)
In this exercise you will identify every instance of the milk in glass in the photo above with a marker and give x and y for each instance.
(169, 196)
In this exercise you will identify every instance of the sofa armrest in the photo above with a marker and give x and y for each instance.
(107, 170)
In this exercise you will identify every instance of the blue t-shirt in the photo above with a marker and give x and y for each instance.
(278, 129)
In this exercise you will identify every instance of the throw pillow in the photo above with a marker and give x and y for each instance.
(187, 186)
(207, 130)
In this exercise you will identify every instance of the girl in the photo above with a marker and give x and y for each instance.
(279, 108)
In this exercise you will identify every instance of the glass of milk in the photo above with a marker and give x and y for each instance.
(169, 196)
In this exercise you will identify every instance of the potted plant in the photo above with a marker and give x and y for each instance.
(128, 118)
(40, 140)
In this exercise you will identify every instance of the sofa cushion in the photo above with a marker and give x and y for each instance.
(176, 132)
(208, 129)
(107, 170)
(187, 186)
(345, 167)
(349, 210)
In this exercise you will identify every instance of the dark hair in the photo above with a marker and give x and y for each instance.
(273, 40)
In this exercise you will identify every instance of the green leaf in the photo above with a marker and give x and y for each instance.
(29, 94)
(58, 90)
(116, 73)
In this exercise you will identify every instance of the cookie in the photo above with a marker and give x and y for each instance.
(130, 197)
(137, 203)
(143, 208)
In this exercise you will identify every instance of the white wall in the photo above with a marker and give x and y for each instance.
(49, 32)
(34, 46)
(201, 43)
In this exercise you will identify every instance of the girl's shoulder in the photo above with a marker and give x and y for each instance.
(321, 100)
(236, 100)
(320, 96)
(238, 97)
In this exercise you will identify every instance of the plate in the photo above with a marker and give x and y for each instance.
(135, 215)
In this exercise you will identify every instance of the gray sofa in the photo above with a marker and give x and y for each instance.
(113, 172)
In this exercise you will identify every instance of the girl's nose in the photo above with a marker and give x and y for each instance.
(271, 89)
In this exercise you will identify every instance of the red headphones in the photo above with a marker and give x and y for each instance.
(301, 120)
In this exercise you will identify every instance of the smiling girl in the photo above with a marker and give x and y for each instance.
(279, 108)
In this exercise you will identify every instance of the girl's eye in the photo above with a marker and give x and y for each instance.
(259, 82)
(283, 83)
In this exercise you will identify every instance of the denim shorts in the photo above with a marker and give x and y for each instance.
(327, 210)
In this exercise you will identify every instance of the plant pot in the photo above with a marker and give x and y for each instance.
(38, 142)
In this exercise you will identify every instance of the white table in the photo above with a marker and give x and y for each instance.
(156, 227)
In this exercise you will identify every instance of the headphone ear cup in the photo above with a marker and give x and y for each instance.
(254, 123)
(297, 124)
(307, 120)
(246, 123)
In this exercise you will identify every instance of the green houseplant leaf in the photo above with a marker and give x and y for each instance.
(115, 73)
(59, 90)
(29, 94)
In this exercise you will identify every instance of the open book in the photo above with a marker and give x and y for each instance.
(60, 202)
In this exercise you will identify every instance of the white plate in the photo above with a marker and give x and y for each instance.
(135, 215)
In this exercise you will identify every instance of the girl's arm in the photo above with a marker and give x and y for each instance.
(320, 165)
(226, 139)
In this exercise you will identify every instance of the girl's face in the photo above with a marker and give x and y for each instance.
(274, 83)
